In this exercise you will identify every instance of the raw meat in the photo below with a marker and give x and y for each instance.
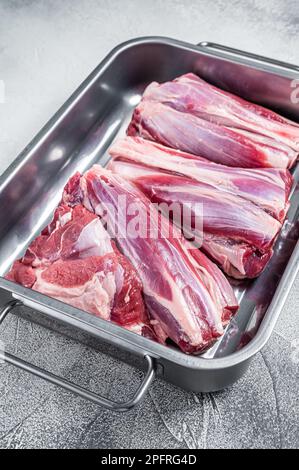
(237, 229)
(269, 188)
(187, 296)
(235, 232)
(217, 285)
(75, 261)
(191, 94)
(190, 133)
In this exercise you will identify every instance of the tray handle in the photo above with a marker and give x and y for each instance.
(249, 55)
(77, 389)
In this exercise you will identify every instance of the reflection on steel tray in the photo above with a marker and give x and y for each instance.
(77, 137)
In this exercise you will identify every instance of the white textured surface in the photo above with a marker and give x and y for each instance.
(46, 49)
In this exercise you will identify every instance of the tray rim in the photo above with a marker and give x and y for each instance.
(101, 328)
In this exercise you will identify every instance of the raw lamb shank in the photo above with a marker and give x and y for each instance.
(190, 115)
(188, 298)
(241, 210)
(75, 261)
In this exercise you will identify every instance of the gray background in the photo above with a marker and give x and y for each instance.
(46, 49)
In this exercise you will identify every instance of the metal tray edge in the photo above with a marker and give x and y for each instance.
(284, 286)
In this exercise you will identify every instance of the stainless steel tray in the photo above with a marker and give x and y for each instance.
(77, 137)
